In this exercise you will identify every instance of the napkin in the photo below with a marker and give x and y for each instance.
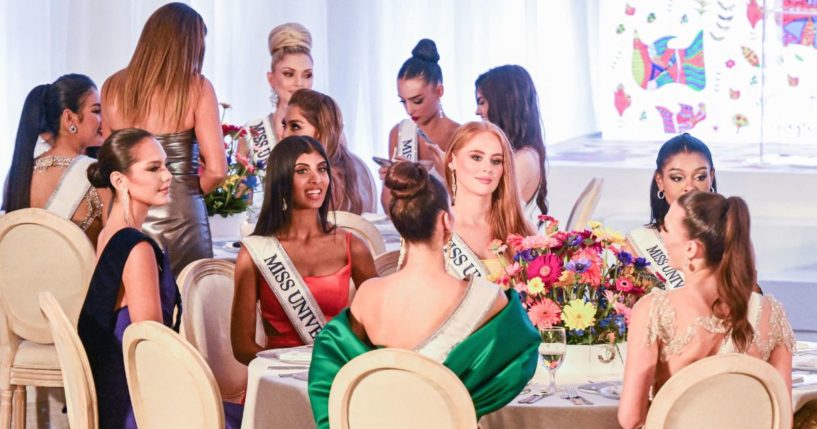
(302, 355)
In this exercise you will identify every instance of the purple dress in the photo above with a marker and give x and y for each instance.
(101, 326)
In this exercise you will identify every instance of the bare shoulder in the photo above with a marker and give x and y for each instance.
(141, 258)
(367, 297)
(527, 157)
(358, 247)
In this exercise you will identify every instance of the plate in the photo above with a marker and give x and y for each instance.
(231, 246)
(806, 346)
(804, 363)
(611, 392)
(296, 356)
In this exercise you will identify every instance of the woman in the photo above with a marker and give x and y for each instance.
(707, 236)
(684, 163)
(295, 263)
(313, 114)
(68, 111)
(290, 45)
(163, 91)
(132, 281)
(474, 328)
(426, 135)
(479, 168)
(507, 97)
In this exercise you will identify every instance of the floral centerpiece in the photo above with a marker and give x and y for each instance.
(234, 195)
(582, 280)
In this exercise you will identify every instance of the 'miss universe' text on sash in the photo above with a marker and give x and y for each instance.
(262, 135)
(648, 244)
(462, 261)
(407, 141)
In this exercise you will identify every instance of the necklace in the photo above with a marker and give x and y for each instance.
(43, 163)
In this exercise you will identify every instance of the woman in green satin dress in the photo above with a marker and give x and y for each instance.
(414, 308)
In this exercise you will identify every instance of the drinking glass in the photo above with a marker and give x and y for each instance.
(552, 349)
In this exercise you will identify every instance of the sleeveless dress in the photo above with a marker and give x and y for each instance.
(181, 226)
(331, 293)
(101, 326)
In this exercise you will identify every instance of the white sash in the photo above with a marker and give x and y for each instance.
(407, 146)
(287, 285)
(478, 300)
(262, 137)
(72, 188)
(647, 243)
(461, 261)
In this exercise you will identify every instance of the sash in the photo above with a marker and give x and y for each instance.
(647, 243)
(262, 137)
(72, 188)
(288, 286)
(407, 146)
(462, 262)
(475, 304)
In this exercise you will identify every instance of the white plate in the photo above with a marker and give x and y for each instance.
(612, 392)
(806, 346)
(804, 363)
(296, 356)
(229, 247)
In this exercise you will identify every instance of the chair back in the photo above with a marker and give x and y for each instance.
(361, 228)
(725, 391)
(169, 382)
(39, 252)
(386, 263)
(80, 393)
(363, 394)
(583, 209)
(207, 288)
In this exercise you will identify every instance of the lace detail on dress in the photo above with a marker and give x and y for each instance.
(43, 163)
(780, 332)
(92, 200)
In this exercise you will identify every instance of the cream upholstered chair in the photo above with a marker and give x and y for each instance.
(386, 263)
(80, 393)
(362, 228)
(725, 391)
(583, 209)
(169, 382)
(39, 251)
(363, 394)
(207, 289)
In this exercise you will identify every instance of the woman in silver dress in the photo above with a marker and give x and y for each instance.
(163, 91)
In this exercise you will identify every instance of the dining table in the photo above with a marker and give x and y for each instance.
(277, 394)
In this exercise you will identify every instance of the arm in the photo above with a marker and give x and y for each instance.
(526, 162)
(385, 193)
(639, 370)
(242, 319)
(778, 326)
(140, 279)
(208, 133)
(362, 262)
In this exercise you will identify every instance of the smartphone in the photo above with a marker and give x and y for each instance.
(383, 162)
(424, 136)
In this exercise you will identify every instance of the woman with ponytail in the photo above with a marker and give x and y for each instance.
(707, 238)
(68, 112)
(471, 326)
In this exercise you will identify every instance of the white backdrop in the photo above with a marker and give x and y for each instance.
(358, 46)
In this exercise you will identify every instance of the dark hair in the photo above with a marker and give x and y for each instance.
(42, 112)
(681, 143)
(514, 106)
(722, 225)
(116, 154)
(417, 199)
(423, 63)
(276, 210)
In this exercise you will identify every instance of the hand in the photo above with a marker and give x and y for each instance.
(437, 154)
(382, 170)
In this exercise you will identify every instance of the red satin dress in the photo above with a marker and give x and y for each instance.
(331, 293)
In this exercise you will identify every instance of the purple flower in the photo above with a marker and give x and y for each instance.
(526, 255)
(641, 263)
(575, 240)
(250, 181)
(625, 258)
(578, 266)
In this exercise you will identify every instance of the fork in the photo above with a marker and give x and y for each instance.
(572, 395)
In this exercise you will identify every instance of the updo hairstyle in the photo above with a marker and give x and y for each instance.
(116, 154)
(289, 38)
(417, 199)
(423, 63)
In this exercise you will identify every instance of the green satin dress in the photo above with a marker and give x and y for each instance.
(494, 363)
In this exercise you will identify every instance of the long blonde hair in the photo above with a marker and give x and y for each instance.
(507, 216)
(167, 59)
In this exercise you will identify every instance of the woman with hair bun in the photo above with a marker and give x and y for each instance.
(471, 326)
(425, 136)
(313, 114)
(132, 281)
(707, 238)
(290, 47)
(68, 111)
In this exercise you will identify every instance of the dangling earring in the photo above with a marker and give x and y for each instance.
(453, 187)
(273, 99)
(690, 265)
(712, 189)
(126, 207)
(440, 110)
(660, 195)
(284, 205)
(72, 129)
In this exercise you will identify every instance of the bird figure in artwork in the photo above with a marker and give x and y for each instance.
(684, 120)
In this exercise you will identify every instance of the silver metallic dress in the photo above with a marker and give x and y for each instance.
(181, 226)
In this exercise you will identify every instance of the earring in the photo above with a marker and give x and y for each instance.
(689, 264)
(273, 99)
(712, 189)
(72, 129)
(284, 205)
(440, 110)
(453, 187)
(660, 195)
(126, 207)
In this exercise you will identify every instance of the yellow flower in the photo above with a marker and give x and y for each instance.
(578, 314)
(536, 286)
(594, 224)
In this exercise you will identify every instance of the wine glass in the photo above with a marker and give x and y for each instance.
(552, 349)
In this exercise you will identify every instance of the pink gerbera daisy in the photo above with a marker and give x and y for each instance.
(548, 267)
(545, 313)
